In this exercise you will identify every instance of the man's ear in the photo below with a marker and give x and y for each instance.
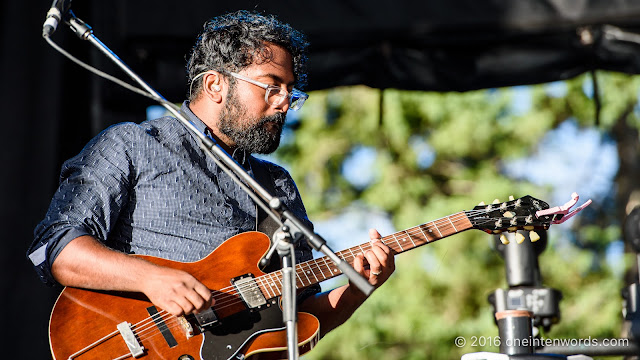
(212, 86)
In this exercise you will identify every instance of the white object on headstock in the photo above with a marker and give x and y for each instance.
(564, 209)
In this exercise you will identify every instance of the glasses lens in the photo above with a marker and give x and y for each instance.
(275, 96)
(297, 99)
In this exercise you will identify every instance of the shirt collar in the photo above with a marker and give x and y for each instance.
(199, 124)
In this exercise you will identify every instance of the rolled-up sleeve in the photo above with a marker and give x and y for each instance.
(93, 189)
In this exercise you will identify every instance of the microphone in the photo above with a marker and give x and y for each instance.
(58, 10)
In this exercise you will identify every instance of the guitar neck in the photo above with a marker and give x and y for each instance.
(321, 269)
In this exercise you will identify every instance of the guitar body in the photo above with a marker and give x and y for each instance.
(248, 320)
(84, 323)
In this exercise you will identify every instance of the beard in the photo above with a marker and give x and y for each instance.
(253, 135)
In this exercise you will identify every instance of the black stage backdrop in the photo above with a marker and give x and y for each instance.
(51, 107)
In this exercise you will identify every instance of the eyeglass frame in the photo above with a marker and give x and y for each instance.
(301, 96)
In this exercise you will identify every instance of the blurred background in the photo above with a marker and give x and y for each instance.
(417, 110)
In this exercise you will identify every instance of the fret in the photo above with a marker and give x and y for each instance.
(426, 238)
(311, 271)
(353, 256)
(305, 274)
(398, 242)
(314, 271)
(274, 287)
(274, 277)
(454, 227)
(436, 226)
(265, 288)
(299, 279)
(361, 249)
(328, 268)
(331, 270)
(411, 238)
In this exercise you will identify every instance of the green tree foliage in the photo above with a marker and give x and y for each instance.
(439, 292)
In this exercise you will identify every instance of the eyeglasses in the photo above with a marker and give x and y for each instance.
(275, 95)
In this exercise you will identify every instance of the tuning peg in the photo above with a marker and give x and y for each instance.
(496, 201)
(508, 214)
(528, 227)
(482, 203)
(519, 238)
(534, 236)
(504, 239)
(511, 198)
(497, 232)
(512, 229)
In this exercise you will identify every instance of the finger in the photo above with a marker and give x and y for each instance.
(173, 308)
(205, 294)
(374, 235)
(380, 253)
(358, 264)
(379, 245)
(197, 302)
(374, 263)
(187, 303)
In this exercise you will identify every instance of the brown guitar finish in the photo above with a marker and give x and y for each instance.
(83, 323)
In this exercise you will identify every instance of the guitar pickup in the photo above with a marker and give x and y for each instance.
(249, 291)
(130, 339)
(206, 319)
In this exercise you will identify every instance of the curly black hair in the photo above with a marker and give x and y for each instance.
(236, 40)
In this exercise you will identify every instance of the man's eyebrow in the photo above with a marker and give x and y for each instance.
(276, 79)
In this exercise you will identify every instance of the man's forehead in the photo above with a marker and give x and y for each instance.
(275, 62)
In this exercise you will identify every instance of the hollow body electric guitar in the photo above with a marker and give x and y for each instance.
(246, 319)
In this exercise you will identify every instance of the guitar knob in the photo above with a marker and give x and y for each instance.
(512, 229)
(496, 201)
(482, 203)
(519, 238)
(511, 198)
(534, 236)
(504, 239)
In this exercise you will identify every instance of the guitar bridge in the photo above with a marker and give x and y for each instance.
(130, 339)
(249, 291)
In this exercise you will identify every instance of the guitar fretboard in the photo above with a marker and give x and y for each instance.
(321, 269)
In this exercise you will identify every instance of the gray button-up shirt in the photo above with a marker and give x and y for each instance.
(149, 189)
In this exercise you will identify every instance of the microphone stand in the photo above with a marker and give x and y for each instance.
(270, 204)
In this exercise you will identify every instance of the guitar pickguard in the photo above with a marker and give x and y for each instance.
(227, 338)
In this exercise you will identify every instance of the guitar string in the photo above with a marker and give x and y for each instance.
(417, 230)
(232, 299)
(393, 240)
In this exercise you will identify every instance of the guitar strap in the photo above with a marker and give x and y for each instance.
(266, 224)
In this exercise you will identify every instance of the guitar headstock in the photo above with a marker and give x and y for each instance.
(512, 215)
(525, 213)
